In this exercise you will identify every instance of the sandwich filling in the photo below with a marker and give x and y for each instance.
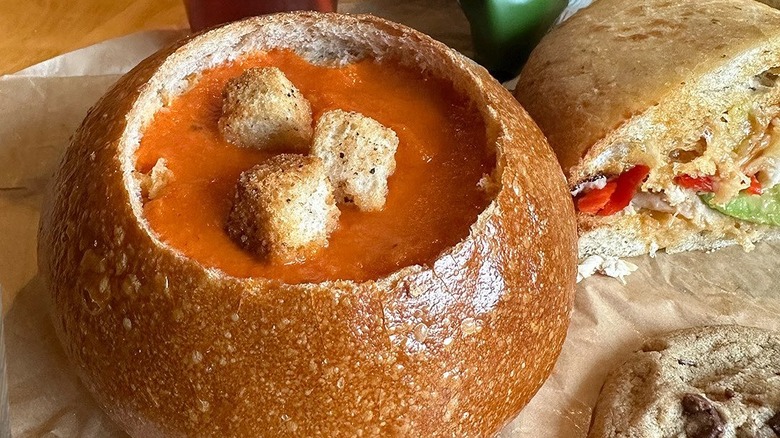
(729, 174)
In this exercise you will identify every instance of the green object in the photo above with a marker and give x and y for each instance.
(759, 209)
(506, 31)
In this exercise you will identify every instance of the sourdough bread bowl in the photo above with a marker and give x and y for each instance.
(171, 347)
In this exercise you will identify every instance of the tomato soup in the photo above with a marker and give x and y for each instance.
(433, 195)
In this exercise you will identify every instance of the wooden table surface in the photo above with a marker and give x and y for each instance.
(34, 30)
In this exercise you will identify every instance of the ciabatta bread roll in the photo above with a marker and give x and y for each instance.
(170, 346)
(664, 116)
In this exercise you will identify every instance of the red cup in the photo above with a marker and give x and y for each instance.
(207, 13)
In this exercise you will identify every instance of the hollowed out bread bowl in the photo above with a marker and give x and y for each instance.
(171, 347)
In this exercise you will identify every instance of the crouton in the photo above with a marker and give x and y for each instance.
(359, 156)
(284, 209)
(153, 183)
(262, 109)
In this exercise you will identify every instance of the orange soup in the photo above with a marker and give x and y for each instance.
(433, 195)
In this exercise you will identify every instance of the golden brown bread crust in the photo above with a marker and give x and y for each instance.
(169, 347)
(605, 68)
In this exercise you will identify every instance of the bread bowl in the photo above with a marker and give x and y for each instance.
(171, 346)
(682, 93)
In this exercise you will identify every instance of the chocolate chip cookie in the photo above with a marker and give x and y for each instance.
(706, 382)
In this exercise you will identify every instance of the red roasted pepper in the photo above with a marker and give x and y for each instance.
(755, 186)
(616, 195)
(707, 184)
(594, 200)
(627, 185)
(699, 184)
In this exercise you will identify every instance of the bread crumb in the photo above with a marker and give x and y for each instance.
(653, 249)
(153, 183)
(262, 109)
(284, 208)
(359, 156)
(609, 266)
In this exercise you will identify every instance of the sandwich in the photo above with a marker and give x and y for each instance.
(665, 116)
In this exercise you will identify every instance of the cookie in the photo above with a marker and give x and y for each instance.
(706, 382)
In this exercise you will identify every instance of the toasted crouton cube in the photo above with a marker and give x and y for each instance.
(359, 156)
(284, 209)
(262, 109)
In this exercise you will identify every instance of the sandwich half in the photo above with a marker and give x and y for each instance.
(665, 116)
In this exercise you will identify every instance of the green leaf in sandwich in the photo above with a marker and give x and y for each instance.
(759, 209)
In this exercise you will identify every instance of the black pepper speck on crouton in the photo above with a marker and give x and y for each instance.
(284, 208)
(359, 156)
(262, 109)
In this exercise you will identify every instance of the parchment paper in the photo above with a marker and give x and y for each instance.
(40, 108)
